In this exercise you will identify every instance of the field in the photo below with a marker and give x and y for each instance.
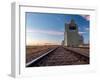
(34, 51)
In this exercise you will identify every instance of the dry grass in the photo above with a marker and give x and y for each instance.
(35, 51)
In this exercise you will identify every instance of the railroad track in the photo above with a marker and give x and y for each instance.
(33, 62)
(59, 56)
(80, 55)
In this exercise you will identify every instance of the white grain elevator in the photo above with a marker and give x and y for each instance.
(72, 37)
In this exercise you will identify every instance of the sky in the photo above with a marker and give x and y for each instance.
(48, 28)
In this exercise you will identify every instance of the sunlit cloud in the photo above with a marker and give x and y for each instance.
(31, 41)
(45, 32)
(87, 17)
(37, 42)
(81, 33)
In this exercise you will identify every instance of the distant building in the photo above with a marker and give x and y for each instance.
(62, 42)
(71, 35)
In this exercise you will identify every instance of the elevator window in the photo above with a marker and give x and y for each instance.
(72, 28)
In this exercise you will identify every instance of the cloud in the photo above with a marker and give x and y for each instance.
(81, 33)
(45, 32)
(87, 29)
(87, 17)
